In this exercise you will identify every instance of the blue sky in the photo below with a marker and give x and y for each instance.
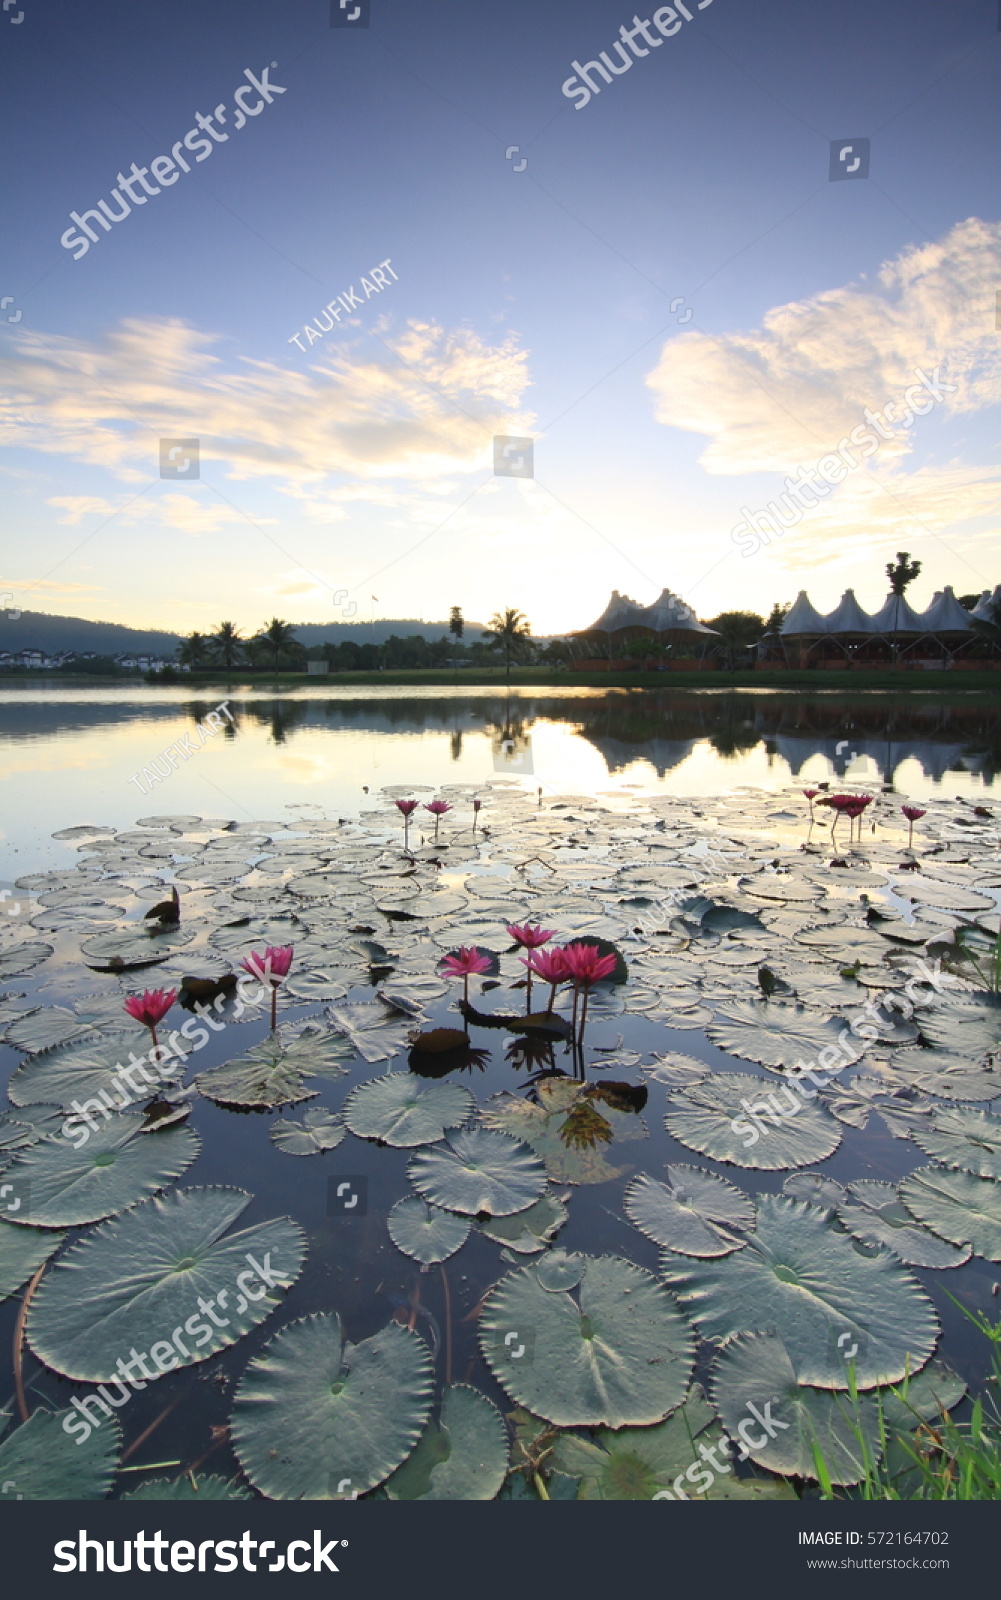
(533, 302)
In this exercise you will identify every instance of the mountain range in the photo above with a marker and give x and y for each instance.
(39, 630)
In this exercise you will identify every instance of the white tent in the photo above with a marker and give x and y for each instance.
(803, 619)
(848, 617)
(946, 615)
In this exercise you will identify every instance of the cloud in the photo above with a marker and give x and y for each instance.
(787, 392)
(48, 586)
(78, 506)
(426, 406)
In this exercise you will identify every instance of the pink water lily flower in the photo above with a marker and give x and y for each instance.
(811, 795)
(551, 966)
(437, 809)
(529, 938)
(271, 967)
(464, 963)
(151, 1007)
(586, 966)
(913, 815)
(408, 807)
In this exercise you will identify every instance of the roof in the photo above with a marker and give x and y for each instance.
(670, 614)
(848, 617)
(620, 612)
(983, 610)
(896, 616)
(802, 618)
(946, 615)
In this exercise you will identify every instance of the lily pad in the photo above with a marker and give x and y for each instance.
(262, 1080)
(128, 948)
(18, 959)
(958, 1206)
(531, 1230)
(780, 1035)
(318, 1419)
(319, 1130)
(695, 1212)
(50, 1458)
(872, 1212)
(543, 1125)
(800, 1278)
(66, 1186)
(136, 1279)
(79, 1071)
(478, 1170)
(733, 1117)
(785, 1424)
(962, 1138)
(462, 1457)
(425, 1232)
(50, 1026)
(22, 1252)
(621, 1355)
(400, 1109)
(946, 1075)
(205, 1487)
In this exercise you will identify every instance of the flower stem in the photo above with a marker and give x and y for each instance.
(274, 1007)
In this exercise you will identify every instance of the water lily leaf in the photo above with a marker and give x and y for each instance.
(425, 1232)
(66, 1186)
(374, 1031)
(778, 1034)
(266, 1077)
(971, 1026)
(79, 1071)
(21, 958)
(51, 1026)
(695, 1212)
(872, 1212)
(560, 1270)
(800, 1278)
(622, 1355)
(22, 1251)
(45, 1462)
(135, 1279)
(922, 1398)
(963, 1138)
(205, 1487)
(479, 1170)
(531, 1230)
(754, 1370)
(463, 1457)
(318, 1131)
(400, 1109)
(958, 1206)
(129, 947)
(729, 1117)
(815, 1188)
(676, 1071)
(318, 1419)
(946, 1075)
(543, 1126)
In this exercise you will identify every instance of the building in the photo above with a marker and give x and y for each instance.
(669, 626)
(943, 635)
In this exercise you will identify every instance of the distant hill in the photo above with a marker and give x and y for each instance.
(38, 630)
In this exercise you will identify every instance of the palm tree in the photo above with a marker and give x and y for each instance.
(280, 636)
(193, 651)
(509, 631)
(227, 643)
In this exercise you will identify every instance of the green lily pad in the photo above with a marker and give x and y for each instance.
(695, 1212)
(137, 1280)
(18, 959)
(66, 1186)
(971, 1026)
(425, 1232)
(962, 1138)
(50, 1457)
(733, 1117)
(805, 1281)
(128, 948)
(401, 1109)
(80, 1071)
(22, 1252)
(622, 1355)
(479, 1170)
(318, 1131)
(318, 1419)
(462, 1457)
(872, 1212)
(262, 1080)
(543, 1125)
(780, 1035)
(783, 1423)
(42, 1029)
(947, 1075)
(531, 1230)
(958, 1206)
(207, 1487)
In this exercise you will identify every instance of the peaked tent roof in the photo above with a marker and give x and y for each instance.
(620, 612)
(848, 616)
(896, 616)
(983, 608)
(802, 618)
(946, 615)
(669, 613)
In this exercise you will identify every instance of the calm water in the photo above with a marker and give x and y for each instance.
(70, 755)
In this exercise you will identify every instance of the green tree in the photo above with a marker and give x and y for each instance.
(227, 644)
(738, 631)
(903, 573)
(776, 617)
(456, 623)
(280, 637)
(194, 651)
(510, 631)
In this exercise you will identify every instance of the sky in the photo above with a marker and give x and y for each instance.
(660, 286)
